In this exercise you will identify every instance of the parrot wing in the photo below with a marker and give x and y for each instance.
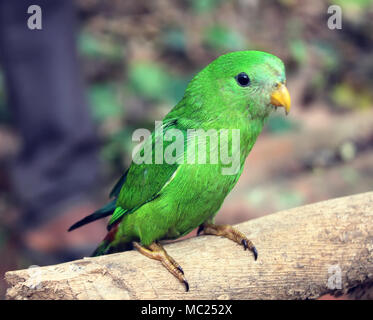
(143, 182)
(118, 186)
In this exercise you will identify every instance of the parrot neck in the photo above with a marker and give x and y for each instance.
(249, 136)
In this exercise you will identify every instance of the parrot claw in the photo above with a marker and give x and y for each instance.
(244, 243)
(180, 269)
(157, 252)
(255, 252)
(253, 249)
(186, 285)
(232, 234)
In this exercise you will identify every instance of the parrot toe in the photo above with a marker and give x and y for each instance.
(157, 252)
(230, 233)
(255, 252)
(180, 269)
(244, 243)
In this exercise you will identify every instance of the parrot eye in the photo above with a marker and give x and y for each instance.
(243, 79)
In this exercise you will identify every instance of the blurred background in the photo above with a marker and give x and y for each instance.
(136, 58)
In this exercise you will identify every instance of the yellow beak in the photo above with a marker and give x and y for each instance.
(281, 98)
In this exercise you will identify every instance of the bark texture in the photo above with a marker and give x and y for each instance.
(305, 252)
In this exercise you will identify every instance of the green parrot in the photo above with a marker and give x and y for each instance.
(155, 201)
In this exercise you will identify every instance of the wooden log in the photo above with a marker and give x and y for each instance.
(304, 252)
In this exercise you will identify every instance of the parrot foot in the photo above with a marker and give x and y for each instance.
(230, 233)
(157, 252)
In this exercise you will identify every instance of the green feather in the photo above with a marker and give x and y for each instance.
(118, 213)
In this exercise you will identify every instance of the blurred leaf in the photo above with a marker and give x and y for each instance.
(119, 146)
(289, 199)
(346, 97)
(124, 138)
(328, 55)
(149, 80)
(298, 51)
(318, 80)
(282, 199)
(350, 175)
(347, 151)
(202, 6)
(353, 10)
(104, 100)
(222, 38)
(174, 39)
(110, 152)
(154, 82)
(256, 196)
(91, 46)
(288, 3)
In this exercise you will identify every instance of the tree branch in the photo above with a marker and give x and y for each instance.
(302, 251)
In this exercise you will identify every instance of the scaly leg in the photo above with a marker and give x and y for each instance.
(230, 233)
(157, 252)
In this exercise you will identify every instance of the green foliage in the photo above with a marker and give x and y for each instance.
(353, 10)
(289, 199)
(347, 151)
(297, 46)
(328, 60)
(118, 147)
(91, 46)
(327, 55)
(298, 50)
(221, 38)
(156, 83)
(281, 198)
(346, 97)
(204, 6)
(174, 39)
(351, 175)
(104, 100)
(149, 80)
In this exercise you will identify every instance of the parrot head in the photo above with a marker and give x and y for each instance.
(252, 80)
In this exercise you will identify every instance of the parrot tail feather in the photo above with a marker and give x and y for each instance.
(107, 247)
(105, 211)
(101, 249)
